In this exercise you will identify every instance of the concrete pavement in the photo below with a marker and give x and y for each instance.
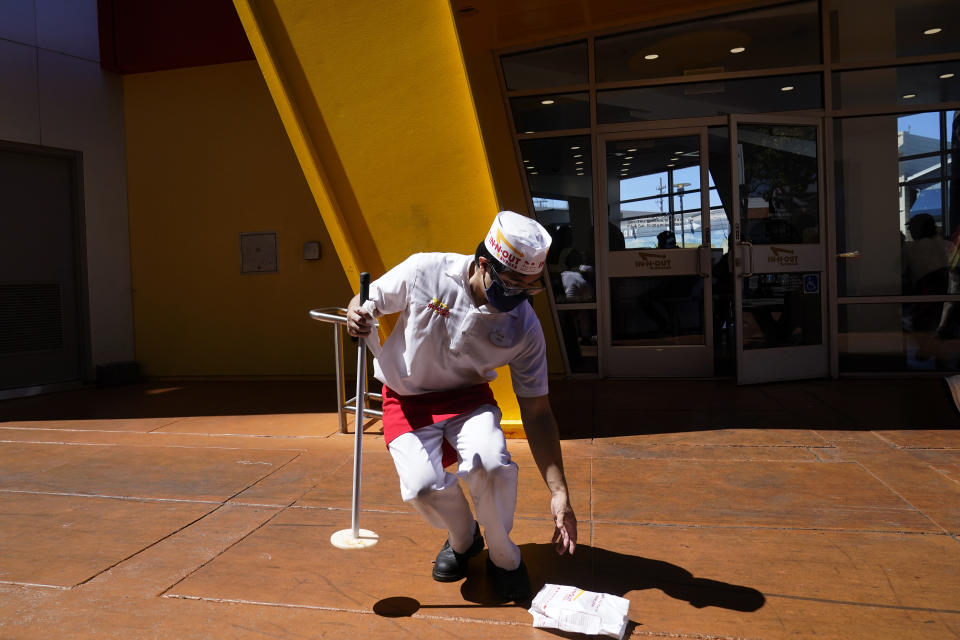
(204, 510)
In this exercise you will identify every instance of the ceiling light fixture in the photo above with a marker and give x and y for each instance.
(574, 148)
(944, 76)
(547, 101)
(651, 56)
(908, 96)
(579, 161)
(578, 155)
(933, 31)
(738, 50)
(789, 87)
(671, 165)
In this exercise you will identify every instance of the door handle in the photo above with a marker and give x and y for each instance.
(704, 261)
(744, 258)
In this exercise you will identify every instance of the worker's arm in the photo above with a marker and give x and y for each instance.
(544, 440)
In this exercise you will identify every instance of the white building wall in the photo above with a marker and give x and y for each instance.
(53, 93)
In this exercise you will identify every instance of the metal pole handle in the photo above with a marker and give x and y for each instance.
(358, 415)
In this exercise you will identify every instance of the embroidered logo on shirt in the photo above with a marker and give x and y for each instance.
(499, 339)
(439, 308)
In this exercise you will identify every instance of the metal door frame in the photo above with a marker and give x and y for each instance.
(650, 130)
(814, 360)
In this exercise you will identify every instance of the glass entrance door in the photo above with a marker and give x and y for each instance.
(655, 229)
(779, 255)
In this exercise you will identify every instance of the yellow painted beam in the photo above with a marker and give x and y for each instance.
(375, 99)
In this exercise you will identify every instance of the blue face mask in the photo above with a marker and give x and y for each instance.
(499, 300)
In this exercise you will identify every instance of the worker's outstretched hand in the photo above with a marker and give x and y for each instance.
(565, 534)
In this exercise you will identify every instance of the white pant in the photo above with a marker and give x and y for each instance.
(486, 467)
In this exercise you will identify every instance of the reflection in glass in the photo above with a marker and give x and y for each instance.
(878, 337)
(894, 29)
(702, 99)
(579, 329)
(532, 114)
(919, 134)
(890, 245)
(779, 201)
(561, 187)
(905, 86)
(552, 67)
(781, 310)
(657, 310)
(783, 36)
(653, 191)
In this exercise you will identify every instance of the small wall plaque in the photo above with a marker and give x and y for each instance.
(258, 252)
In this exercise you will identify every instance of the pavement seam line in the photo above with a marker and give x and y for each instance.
(219, 506)
(897, 493)
(147, 446)
(682, 525)
(35, 585)
(420, 616)
(861, 604)
(67, 494)
(149, 546)
(165, 593)
(166, 424)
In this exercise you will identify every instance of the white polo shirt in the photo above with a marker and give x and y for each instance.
(443, 341)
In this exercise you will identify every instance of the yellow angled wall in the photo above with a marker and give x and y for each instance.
(375, 99)
(208, 159)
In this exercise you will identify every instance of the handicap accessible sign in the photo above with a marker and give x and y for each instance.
(811, 283)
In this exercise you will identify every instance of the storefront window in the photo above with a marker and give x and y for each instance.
(552, 67)
(783, 36)
(533, 114)
(885, 29)
(559, 173)
(701, 99)
(897, 87)
(920, 336)
(896, 242)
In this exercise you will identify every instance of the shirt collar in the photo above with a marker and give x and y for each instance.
(462, 273)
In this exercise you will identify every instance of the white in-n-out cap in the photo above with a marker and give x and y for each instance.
(518, 242)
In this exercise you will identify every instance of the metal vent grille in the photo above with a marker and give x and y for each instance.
(31, 317)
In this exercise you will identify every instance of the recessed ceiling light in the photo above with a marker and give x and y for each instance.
(579, 173)
(574, 148)
(944, 76)
(533, 173)
(651, 56)
(671, 165)
(738, 50)
(579, 155)
(525, 160)
(528, 131)
(631, 150)
(625, 164)
(579, 161)
(933, 31)
(908, 96)
(787, 88)
(547, 101)
(628, 157)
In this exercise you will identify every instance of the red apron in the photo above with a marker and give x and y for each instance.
(403, 414)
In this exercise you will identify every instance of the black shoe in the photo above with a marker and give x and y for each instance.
(510, 585)
(450, 566)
